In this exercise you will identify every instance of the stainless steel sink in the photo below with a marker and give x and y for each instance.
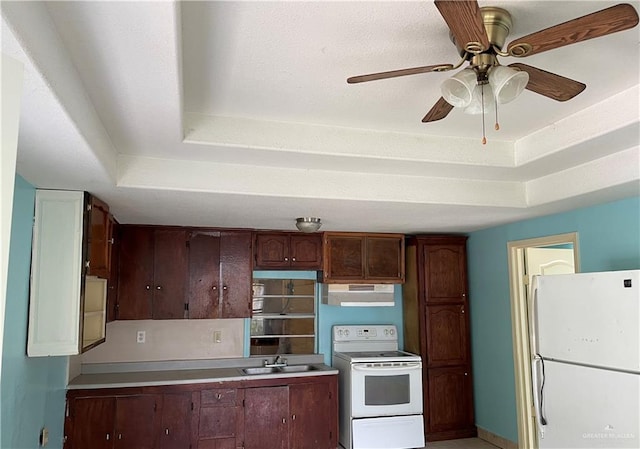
(297, 368)
(261, 370)
(279, 369)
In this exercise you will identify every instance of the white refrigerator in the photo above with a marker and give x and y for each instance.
(585, 331)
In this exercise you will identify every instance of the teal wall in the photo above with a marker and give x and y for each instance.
(33, 389)
(329, 316)
(608, 239)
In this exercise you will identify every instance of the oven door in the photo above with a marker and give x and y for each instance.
(378, 389)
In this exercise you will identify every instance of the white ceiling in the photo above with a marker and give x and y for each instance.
(238, 114)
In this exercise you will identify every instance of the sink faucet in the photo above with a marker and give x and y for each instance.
(275, 362)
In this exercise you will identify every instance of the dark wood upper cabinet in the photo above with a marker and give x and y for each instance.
(112, 284)
(446, 266)
(281, 250)
(219, 284)
(153, 273)
(100, 238)
(360, 257)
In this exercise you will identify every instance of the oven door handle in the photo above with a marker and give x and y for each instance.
(407, 367)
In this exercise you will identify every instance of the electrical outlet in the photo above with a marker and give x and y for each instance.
(217, 336)
(141, 336)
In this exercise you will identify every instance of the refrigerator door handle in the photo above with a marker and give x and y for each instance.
(538, 383)
(533, 316)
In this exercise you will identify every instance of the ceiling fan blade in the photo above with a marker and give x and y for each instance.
(465, 22)
(439, 111)
(402, 72)
(601, 23)
(549, 84)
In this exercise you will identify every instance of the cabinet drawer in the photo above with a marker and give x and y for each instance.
(218, 397)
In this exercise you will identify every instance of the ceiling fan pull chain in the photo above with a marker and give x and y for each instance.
(484, 136)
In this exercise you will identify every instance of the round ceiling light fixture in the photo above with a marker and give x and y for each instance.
(308, 224)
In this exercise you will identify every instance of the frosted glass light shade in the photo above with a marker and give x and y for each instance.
(475, 107)
(507, 83)
(458, 90)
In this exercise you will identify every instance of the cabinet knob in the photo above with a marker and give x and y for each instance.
(286, 259)
(293, 259)
(148, 287)
(215, 287)
(218, 396)
(293, 418)
(108, 437)
(464, 295)
(284, 420)
(87, 264)
(119, 436)
(224, 287)
(158, 288)
(166, 431)
(112, 241)
(463, 310)
(466, 374)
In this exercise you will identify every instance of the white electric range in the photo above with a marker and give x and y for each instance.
(380, 389)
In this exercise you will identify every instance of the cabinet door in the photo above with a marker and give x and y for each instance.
(445, 268)
(112, 285)
(204, 275)
(450, 399)
(384, 258)
(92, 424)
(447, 332)
(266, 418)
(272, 251)
(136, 422)
(100, 242)
(310, 416)
(235, 274)
(135, 279)
(306, 251)
(169, 273)
(343, 257)
(177, 413)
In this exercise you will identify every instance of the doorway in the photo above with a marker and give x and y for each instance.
(554, 254)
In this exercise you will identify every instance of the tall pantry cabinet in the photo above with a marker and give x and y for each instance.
(436, 326)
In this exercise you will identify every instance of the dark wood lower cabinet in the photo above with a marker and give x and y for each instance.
(284, 413)
(450, 408)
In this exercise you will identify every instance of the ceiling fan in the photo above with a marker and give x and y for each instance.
(479, 34)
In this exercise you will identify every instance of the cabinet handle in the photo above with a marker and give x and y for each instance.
(218, 396)
(224, 287)
(466, 374)
(293, 259)
(158, 287)
(284, 420)
(148, 287)
(119, 436)
(87, 264)
(293, 418)
(286, 259)
(108, 436)
(166, 431)
(112, 241)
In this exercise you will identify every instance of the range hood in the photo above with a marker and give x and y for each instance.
(358, 295)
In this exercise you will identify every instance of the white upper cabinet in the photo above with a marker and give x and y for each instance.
(56, 309)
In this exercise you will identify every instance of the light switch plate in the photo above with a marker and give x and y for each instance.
(217, 336)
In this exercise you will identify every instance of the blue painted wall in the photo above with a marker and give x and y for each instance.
(329, 316)
(608, 239)
(33, 389)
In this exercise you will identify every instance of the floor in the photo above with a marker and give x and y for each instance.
(465, 443)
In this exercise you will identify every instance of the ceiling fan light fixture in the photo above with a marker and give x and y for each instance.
(481, 93)
(458, 90)
(308, 224)
(507, 83)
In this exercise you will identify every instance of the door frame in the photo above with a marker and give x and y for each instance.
(519, 326)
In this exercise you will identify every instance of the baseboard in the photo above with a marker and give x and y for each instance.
(496, 440)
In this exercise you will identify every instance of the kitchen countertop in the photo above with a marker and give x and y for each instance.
(167, 374)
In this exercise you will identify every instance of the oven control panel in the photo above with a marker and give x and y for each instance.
(365, 333)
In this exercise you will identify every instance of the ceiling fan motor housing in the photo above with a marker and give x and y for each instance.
(497, 23)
